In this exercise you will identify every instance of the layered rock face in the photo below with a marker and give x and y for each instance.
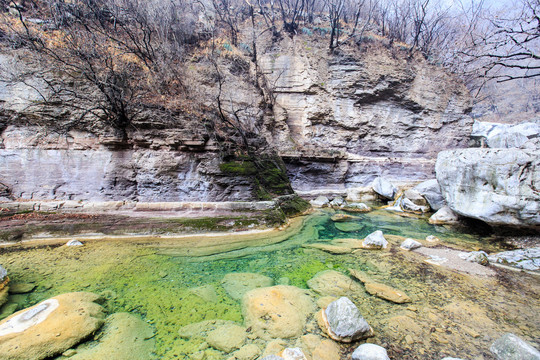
(342, 120)
(338, 120)
(498, 186)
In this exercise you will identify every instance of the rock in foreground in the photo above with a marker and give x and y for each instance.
(50, 327)
(370, 352)
(342, 321)
(123, 337)
(498, 186)
(277, 312)
(375, 240)
(511, 347)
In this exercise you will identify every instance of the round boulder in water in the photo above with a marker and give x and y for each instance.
(375, 240)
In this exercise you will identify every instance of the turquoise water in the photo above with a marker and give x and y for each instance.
(451, 313)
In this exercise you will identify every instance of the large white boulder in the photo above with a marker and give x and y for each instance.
(431, 191)
(524, 135)
(384, 188)
(498, 186)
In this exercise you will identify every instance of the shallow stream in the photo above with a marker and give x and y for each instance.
(452, 313)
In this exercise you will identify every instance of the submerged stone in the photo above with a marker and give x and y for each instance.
(511, 347)
(348, 226)
(227, 337)
(342, 217)
(237, 284)
(123, 337)
(277, 312)
(332, 249)
(21, 288)
(334, 283)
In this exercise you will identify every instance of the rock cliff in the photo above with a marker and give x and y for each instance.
(337, 119)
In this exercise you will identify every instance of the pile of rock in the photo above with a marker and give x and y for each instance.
(339, 203)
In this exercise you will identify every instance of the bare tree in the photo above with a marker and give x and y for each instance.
(507, 47)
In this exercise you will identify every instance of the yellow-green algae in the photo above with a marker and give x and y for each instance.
(451, 313)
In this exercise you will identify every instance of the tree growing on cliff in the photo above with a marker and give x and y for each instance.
(105, 57)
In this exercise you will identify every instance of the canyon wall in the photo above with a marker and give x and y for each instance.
(337, 119)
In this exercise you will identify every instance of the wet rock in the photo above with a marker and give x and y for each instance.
(496, 186)
(21, 288)
(350, 243)
(50, 327)
(342, 217)
(370, 352)
(342, 321)
(410, 244)
(408, 205)
(431, 191)
(247, 352)
(123, 337)
(357, 207)
(348, 226)
(334, 283)
(318, 348)
(274, 347)
(384, 188)
(74, 242)
(527, 259)
(444, 215)
(321, 201)
(338, 202)
(8, 309)
(479, 257)
(201, 329)
(293, 354)
(381, 290)
(451, 358)
(511, 347)
(375, 240)
(206, 292)
(332, 249)
(3, 274)
(272, 357)
(277, 312)
(227, 337)
(415, 197)
(387, 293)
(432, 239)
(237, 284)
(4, 285)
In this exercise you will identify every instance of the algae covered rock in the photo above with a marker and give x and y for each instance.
(348, 226)
(123, 337)
(334, 283)
(342, 217)
(227, 337)
(50, 327)
(237, 284)
(342, 321)
(381, 290)
(277, 312)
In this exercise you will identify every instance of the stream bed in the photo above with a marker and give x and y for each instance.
(452, 312)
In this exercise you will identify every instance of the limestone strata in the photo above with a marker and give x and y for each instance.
(498, 186)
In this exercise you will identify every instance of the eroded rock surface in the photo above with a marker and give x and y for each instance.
(277, 312)
(50, 327)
